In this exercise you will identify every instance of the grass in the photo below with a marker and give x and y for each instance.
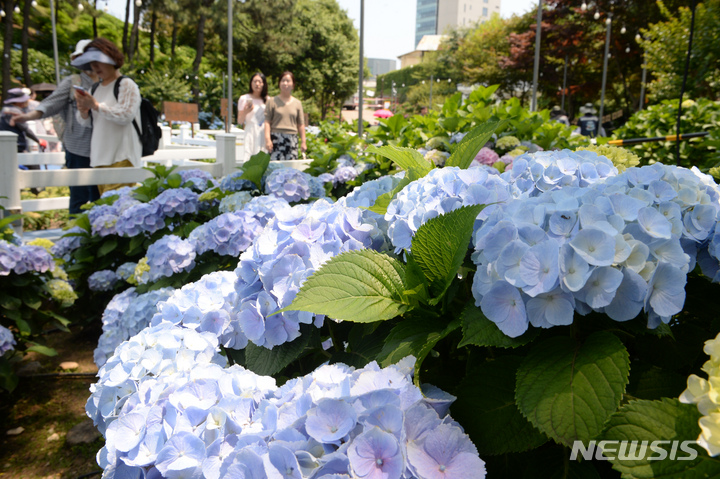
(49, 408)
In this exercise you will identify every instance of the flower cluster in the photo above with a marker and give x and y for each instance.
(439, 192)
(289, 184)
(177, 201)
(205, 306)
(621, 246)
(317, 184)
(141, 275)
(457, 137)
(204, 420)
(199, 179)
(126, 315)
(264, 207)
(140, 218)
(7, 340)
(344, 174)
(234, 202)
(228, 234)
(507, 143)
(103, 280)
(535, 173)
(67, 244)
(435, 143)
(486, 156)
(24, 258)
(290, 249)
(126, 272)
(233, 182)
(169, 255)
(621, 158)
(61, 291)
(157, 352)
(704, 393)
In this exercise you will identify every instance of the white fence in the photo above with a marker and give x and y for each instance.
(226, 150)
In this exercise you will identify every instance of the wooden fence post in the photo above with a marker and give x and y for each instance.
(225, 145)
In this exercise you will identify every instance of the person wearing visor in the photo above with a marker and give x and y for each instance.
(16, 102)
(115, 143)
(75, 137)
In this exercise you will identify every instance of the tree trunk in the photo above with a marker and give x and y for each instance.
(174, 37)
(7, 45)
(24, 41)
(199, 50)
(134, 35)
(95, 35)
(125, 30)
(153, 24)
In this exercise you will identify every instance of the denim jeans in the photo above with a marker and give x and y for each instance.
(79, 195)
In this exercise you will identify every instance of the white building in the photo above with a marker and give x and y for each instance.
(433, 17)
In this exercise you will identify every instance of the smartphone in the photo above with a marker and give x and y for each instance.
(80, 89)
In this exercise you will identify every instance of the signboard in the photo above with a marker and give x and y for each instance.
(175, 111)
(223, 108)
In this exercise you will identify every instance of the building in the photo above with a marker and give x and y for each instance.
(428, 43)
(433, 17)
(380, 66)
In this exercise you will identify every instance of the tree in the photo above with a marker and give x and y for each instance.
(666, 44)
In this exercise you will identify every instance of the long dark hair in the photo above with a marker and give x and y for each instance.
(264, 92)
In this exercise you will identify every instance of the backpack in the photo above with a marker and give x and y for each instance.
(151, 132)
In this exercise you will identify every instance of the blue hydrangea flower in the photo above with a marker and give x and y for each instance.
(140, 218)
(228, 234)
(10, 257)
(344, 174)
(177, 201)
(104, 225)
(7, 340)
(164, 401)
(67, 244)
(101, 210)
(232, 182)
(619, 244)
(289, 184)
(24, 258)
(103, 280)
(235, 202)
(264, 207)
(126, 271)
(169, 255)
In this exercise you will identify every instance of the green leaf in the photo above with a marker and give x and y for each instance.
(408, 159)
(267, 362)
(440, 246)
(39, 348)
(382, 201)
(480, 331)
(8, 378)
(414, 337)
(360, 286)
(486, 409)
(9, 219)
(107, 247)
(569, 390)
(255, 167)
(174, 180)
(83, 222)
(415, 280)
(666, 420)
(471, 144)
(9, 302)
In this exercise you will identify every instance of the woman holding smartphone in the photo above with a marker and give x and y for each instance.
(251, 112)
(115, 141)
(284, 120)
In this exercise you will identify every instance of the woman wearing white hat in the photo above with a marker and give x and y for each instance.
(110, 110)
(75, 137)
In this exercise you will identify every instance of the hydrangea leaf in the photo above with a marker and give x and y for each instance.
(107, 247)
(415, 280)
(383, 201)
(267, 362)
(416, 337)
(569, 390)
(9, 219)
(440, 246)
(8, 378)
(480, 331)
(471, 144)
(360, 286)
(408, 159)
(174, 180)
(255, 167)
(39, 348)
(83, 221)
(486, 408)
(665, 420)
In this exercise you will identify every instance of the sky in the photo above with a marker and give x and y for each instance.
(389, 24)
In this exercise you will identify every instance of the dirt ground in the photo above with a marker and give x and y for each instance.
(47, 409)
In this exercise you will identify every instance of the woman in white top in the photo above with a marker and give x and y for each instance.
(115, 141)
(251, 112)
